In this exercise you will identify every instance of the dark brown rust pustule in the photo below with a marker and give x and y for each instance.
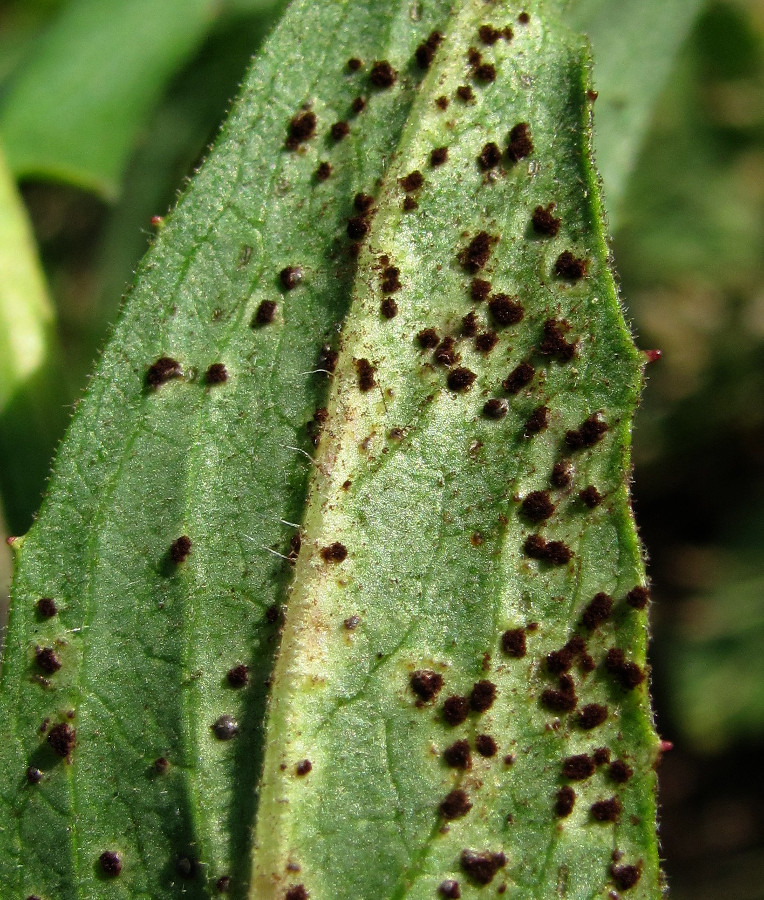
(455, 804)
(266, 313)
(505, 310)
(163, 370)
(357, 227)
(216, 374)
(334, 553)
(606, 810)
(565, 801)
(513, 643)
(458, 755)
(554, 343)
(388, 308)
(555, 552)
(592, 715)
(391, 281)
(180, 549)
(482, 867)
(455, 710)
(426, 684)
(520, 143)
(438, 156)
(537, 506)
(482, 696)
(412, 182)
(111, 863)
(520, 377)
(489, 157)
(460, 379)
(425, 52)
(428, 338)
(354, 64)
(480, 289)
(571, 267)
(238, 676)
(626, 877)
(382, 74)
(562, 473)
(46, 607)
(476, 254)
(33, 775)
(590, 497)
(363, 202)
(578, 767)
(589, 433)
(638, 597)
(445, 352)
(301, 128)
(537, 421)
(296, 892)
(628, 674)
(597, 611)
(47, 659)
(450, 889)
(486, 341)
(561, 699)
(619, 771)
(544, 221)
(290, 277)
(486, 746)
(339, 130)
(303, 767)
(365, 371)
(470, 324)
(62, 739)
(495, 408)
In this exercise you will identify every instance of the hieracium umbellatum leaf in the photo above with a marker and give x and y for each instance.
(366, 412)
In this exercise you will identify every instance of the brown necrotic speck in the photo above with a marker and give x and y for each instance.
(485, 73)
(409, 204)
(505, 310)
(638, 597)
(537, 507)
(564, 801)
(357, 227)
(34, 775)
(554, 343)
(225, 727)
(592, 715)
(339, 130)
(523, 18)
(481, 867)
(266, 312)
(62, 739)
(544, 221)
(455, 710)
(382, 74)
(520, 377)
(590, 496)
(475, 255)
(445, 352)
(619, 771)
(460, 379)
(486, 745)
(597, 610)
(438, 156)
(578, 767)
(47, 659)
(489, 157)
(455, 804)
(513, 642)
(537, 421)
(450, 889)
(238, 676)
(427, 338)
(465, 93)
(495, 408)
(180, 549)
(412, 182)
(163, 370)
(111, 863)
(290, 277)
(358, 105)
(482, 696)
(365, 371)
(474, 57)
(479, 289)
(520, 143)
(388, 308)
(606, 810)
(46, 607)
(625, 877)
(296, 892)
(458, 755)
(486, 341)
(216, 374)
(303, 767)
(334, 553)
(354, 64)
(426, 684)
(442, 102)
(425, 52)
(301, 128)
(570, 267)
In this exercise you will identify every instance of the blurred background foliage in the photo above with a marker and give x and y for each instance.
(688, 247)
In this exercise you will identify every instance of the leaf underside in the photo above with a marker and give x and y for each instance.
(422, 489)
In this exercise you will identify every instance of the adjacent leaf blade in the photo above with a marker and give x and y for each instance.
(414, 555)
(145, 647)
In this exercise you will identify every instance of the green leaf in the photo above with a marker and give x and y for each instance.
(415, 557)
(634, 44)
(31, 407)
(77, 104)
(172, 499)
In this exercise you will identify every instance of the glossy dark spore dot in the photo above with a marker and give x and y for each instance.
(33, 775)
(303, 767)
(111, 863)
(163, 370)
(455, 805)
(455, 710)
(62, 739)
(180, 549)
(426, 684)
(46, 607)
(520, 143)
(216, 374)
(238, 676)
(225, 727)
